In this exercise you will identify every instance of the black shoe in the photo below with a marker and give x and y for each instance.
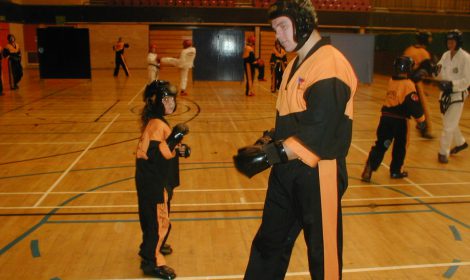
(366, 174)
(166, 249)
(457, 149)
(162, 272)
(442, 158)
(399, 175)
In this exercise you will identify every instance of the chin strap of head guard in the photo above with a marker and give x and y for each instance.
(301, 13)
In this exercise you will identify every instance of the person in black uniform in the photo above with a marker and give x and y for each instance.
(157, 147)
(401, 102)
(12, 52)
(119, 57)
(249, 65)
(278, 63)
(307, 151)
(1, 80)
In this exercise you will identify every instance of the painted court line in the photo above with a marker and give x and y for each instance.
(42, 143)
(404, 184)
(242, 202)
(75, 162)
(135, 96)
(347, 270)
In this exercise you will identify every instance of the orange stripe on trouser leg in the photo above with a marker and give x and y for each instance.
(250, 81)
(125, 64)
(163, 225)
(10, 74)
(329, 208)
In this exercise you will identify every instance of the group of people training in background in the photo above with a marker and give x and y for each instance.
(406, 97)
(185, 62)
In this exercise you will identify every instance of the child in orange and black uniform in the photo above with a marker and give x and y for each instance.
(401, 102)
(278, 63)
(157, 147)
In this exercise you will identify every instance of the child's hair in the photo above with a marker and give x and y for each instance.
(153, 96)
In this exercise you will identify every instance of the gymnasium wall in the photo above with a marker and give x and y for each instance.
(50, 2)
(104, 36)
(168, 39)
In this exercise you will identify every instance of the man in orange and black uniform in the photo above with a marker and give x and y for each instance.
(423, 67)
(12, 51)
(307, 153)
(119, 57)
(248, 65)
(401, 102)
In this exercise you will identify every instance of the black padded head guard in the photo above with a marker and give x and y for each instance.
(153, 97)
(403, 65)
(422, 37)
(301, 13)
(456, 35)
(10, 38)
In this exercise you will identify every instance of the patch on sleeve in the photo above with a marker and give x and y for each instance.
(414, 97)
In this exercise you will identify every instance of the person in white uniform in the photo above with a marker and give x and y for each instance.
(455, 75)
(184, 62)
(153, 64)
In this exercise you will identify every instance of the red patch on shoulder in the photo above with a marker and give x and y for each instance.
(414, 97)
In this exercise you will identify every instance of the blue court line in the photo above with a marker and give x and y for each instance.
(183, 164)
(456, 233)
(222, 218)
(451, 271)
(47, 216)
(112, 167)
(53, 211)
(35, 248)
(431, 207)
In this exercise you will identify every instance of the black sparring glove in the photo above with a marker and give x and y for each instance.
(430, 67)
(184, 151)
(176, 135)
(126, 45)
(267, 137)
(418, 75)
(252, 160)
(446, 86)
(423, 129)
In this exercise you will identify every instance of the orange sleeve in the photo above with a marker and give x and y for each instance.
(161, 131)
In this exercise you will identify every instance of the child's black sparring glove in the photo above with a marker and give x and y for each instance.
(176, 135)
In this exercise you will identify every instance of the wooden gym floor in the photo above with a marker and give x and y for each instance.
(68, 207)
